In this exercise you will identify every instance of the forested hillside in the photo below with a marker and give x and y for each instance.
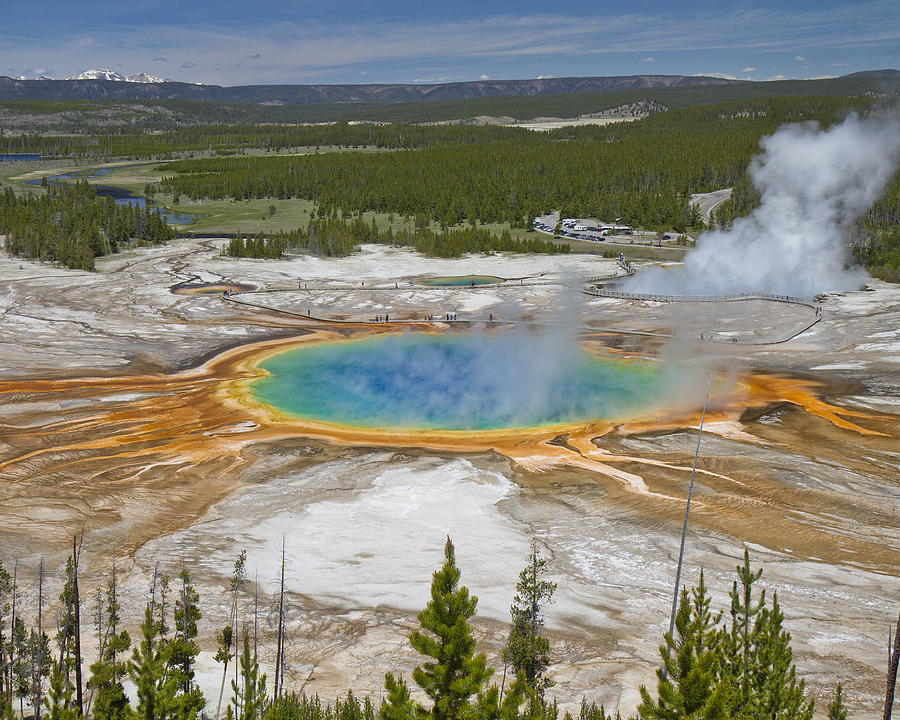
(878, 241)
(104, 117)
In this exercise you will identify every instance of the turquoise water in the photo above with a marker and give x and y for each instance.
(461, 280)
(455, 382)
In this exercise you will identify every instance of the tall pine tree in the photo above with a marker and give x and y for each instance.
(455, 676)
(688, 686)
(526, 650)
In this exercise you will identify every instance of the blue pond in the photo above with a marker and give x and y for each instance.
(455, 382)
(119, 195)
(18, 157)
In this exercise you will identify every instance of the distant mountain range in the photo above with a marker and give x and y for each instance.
(105, 84)
(111, 75)
(104, 74)
(108, 85)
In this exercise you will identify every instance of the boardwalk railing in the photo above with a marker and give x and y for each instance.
(600, 292)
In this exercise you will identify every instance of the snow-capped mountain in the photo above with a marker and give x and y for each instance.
(104, 74)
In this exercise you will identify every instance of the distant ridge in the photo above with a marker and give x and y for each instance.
(147, 87)
(874, 73)
(95, 88)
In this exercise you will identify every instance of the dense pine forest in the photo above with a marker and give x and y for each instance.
(70, 225)
(877, 245)
(642, 172)
(736, 663)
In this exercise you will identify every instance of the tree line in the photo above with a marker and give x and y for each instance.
(877, 241)
(70, 225)
(234, 138)
(334, 237)
(641, 172)
(736, 663)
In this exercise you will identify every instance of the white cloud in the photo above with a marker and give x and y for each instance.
(484, 77)
(721, 76)
(545, 77)
(749, 69)
(800, 58)
(314, 51)
(839, 64)
(776, 77)
(363, 72)
(648, 60)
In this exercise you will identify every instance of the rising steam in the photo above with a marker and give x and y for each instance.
(813, 184)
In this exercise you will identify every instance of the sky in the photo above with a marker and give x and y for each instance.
(227, 42)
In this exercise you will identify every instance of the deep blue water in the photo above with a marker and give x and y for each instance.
(455, 381)
(18, 157)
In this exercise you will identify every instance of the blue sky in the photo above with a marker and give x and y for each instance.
(347, 41)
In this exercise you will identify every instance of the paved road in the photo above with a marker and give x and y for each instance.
(709, 201)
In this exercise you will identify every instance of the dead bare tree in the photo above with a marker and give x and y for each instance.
(893, 657)
(238, 581)
(279, 651)
(37, 675)
(76, 601)
(687, 510)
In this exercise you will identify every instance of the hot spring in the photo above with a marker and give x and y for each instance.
(456, 381)
(461, 280)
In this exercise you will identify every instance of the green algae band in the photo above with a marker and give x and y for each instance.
(455, 381)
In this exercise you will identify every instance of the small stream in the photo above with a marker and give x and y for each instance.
(121, 196)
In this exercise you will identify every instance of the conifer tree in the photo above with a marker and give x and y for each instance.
(59, 694)
(455, 675)
(226, 636)
(19, 652)
(755, 656)
(777, 691)
(738, 642)
(6, 589)
(61, 688)
(836, 709)
(108, 671)
(249, 699)
(182, 651)
(37, 652)
(398, 705)
(147, 668)
(688, 686)
(526, 650)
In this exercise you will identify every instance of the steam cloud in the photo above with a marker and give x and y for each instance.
(813, 183)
